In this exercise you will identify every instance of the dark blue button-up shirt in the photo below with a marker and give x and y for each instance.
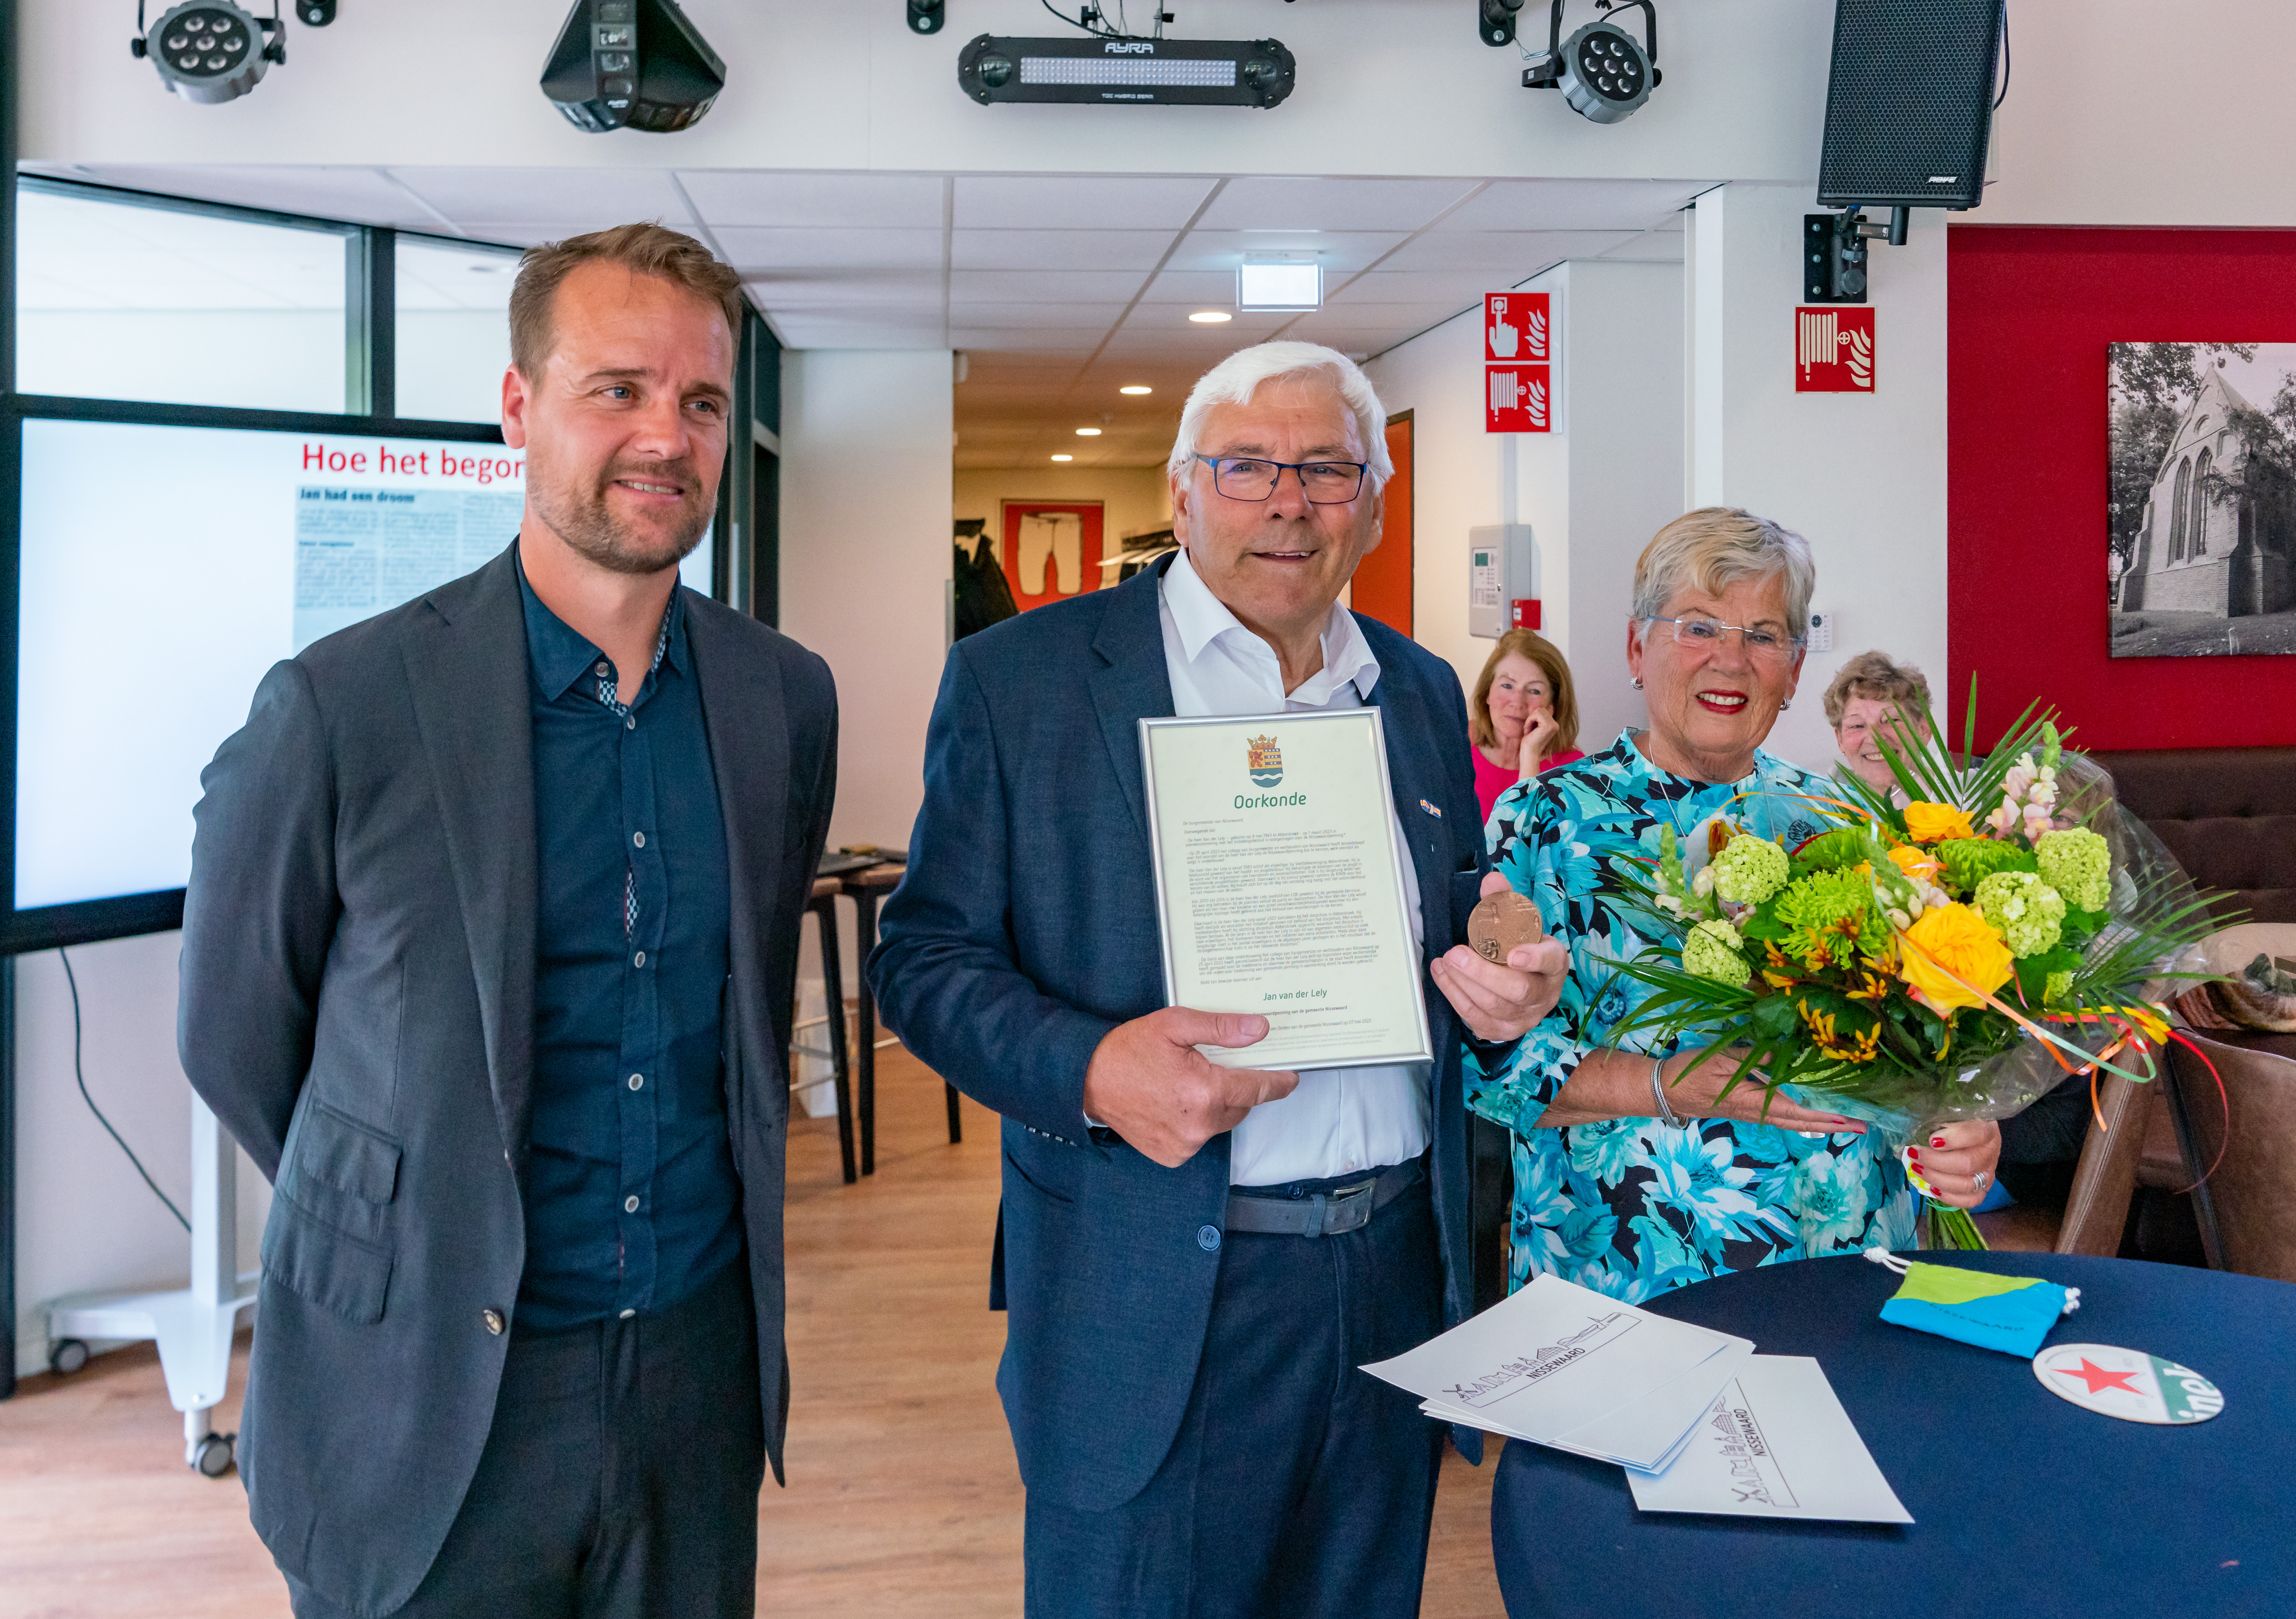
(631, 1198)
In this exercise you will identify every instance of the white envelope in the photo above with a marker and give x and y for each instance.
(1557, 1359)
(1774, 1443)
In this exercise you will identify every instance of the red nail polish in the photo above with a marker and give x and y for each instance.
(1937, 1141)
(1914, 1156)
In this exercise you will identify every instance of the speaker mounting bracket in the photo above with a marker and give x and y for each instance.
(1833, 252)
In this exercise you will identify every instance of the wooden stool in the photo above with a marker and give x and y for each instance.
(867, 887)
(823, 904)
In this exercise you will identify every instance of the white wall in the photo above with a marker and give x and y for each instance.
(1593, 490)
(1862, 476)
(85, 1221)
(1386, 86)
(867, 473)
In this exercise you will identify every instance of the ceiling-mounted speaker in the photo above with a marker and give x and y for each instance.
(1909, 108)
(635, 64)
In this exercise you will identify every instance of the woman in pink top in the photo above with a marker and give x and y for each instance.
(1524, 716)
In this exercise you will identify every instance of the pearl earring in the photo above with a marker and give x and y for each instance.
(1638, 683)
(1783, 707)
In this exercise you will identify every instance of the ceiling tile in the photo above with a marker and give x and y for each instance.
(1331, 205)
(365, 196)
(1014, 249)
(752, 249)
(1518, 254)
(1080, 340)
(1097, 202)
(1341, 251)
(1459, 287)
(1572, 205)
(1005, 314)
(1043, 286)
(738, 197)
(801, 289)
(590, 198)
(1198, 289)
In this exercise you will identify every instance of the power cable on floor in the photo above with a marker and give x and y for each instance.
(80, 1073)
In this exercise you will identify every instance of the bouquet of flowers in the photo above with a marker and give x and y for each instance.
(1951, 951)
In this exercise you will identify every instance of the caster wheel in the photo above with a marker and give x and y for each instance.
(216, 1455)
(67, 1356)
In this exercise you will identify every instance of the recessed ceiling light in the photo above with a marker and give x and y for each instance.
(1136, 388)
(1063, 457)
(1088, 432)
(1210, 317)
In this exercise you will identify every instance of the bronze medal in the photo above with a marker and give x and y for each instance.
(1502, 922)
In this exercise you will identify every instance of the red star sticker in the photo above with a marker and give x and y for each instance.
(2097, 1378)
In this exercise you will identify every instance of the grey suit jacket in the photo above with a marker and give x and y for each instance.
(357, 1006)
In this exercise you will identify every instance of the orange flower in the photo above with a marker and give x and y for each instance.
(1934, 822)
(1916, 863)
(1954, 943)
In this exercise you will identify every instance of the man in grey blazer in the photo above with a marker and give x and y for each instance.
(487, 958)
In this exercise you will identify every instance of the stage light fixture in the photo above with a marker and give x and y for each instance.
(1496, 18)
(636, 64)
(1210, 317)
(1108, 69)
(209, 51)
(315, 13)
(1136, 388)
(926, 16)
(1603, 72)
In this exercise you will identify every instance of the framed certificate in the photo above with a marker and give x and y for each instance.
(1279, 885)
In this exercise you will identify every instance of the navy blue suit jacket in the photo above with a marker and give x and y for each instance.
(1026, 930)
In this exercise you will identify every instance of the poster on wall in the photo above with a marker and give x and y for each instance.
(1051, 550)
(2201, 500)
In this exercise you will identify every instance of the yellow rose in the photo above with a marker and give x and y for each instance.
(1917, 863)
(1950, 954)
(1934, 823)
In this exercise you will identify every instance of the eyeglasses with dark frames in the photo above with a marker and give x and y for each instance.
(1249, 477)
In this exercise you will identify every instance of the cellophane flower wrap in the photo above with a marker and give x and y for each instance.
(1951, 951)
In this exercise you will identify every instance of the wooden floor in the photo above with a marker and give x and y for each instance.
(902, 1499)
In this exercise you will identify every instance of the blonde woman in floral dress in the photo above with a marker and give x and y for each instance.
(1610, 1192)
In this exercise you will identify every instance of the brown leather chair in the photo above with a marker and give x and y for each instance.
(2096, 1210)
(2247, 1204)
(2228, 814)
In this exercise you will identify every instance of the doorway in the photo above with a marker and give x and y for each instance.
(1382, 582)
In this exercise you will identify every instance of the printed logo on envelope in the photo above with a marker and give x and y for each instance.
(1265, 761)
(1514, 1377)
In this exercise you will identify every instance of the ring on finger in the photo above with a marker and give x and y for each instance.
(1979, 1179)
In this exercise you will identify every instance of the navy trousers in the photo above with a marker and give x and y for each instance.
(1298, 1485)
(619, 1480)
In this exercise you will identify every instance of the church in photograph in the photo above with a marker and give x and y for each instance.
(2204, 548)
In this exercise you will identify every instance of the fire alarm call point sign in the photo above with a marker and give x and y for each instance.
(1517, 356)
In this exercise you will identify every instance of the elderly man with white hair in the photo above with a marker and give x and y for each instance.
(1196, 1259)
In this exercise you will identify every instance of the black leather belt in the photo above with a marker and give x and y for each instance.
(1346, 1208)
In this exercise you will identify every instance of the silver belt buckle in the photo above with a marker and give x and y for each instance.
(1344, 1209)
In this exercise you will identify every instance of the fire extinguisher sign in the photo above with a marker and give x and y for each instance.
(1517, 363)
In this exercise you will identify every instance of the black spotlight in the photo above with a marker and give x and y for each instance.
(315, 13)
(639, 64)
(926, 16)
(1497, 20)
(1603, 72)
(209, 51)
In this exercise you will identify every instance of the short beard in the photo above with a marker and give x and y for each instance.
(582, 519)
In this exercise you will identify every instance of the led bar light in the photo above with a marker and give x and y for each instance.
(1100, 71)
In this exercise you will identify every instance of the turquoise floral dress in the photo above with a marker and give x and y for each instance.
(1631, 1207)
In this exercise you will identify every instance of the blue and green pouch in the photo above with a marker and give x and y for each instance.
(2010, 1313)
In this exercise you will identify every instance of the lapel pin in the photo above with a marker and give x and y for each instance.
(1430, 809)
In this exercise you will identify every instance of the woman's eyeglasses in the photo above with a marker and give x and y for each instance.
(1707, 635)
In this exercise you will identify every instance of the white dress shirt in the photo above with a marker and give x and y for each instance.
(1340, 1120)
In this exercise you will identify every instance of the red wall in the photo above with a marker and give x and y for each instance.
(2031, 311)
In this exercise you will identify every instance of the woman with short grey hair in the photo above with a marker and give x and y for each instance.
(1632, 1174)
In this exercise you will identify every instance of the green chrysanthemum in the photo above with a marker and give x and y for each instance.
(1833, 917)
(1712, 951)
(2027, 913)
(2059, 986)
(2079, 865)
(1969, 861)
(1749, 869)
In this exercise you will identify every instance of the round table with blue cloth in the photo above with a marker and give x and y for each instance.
(2023, 1504)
